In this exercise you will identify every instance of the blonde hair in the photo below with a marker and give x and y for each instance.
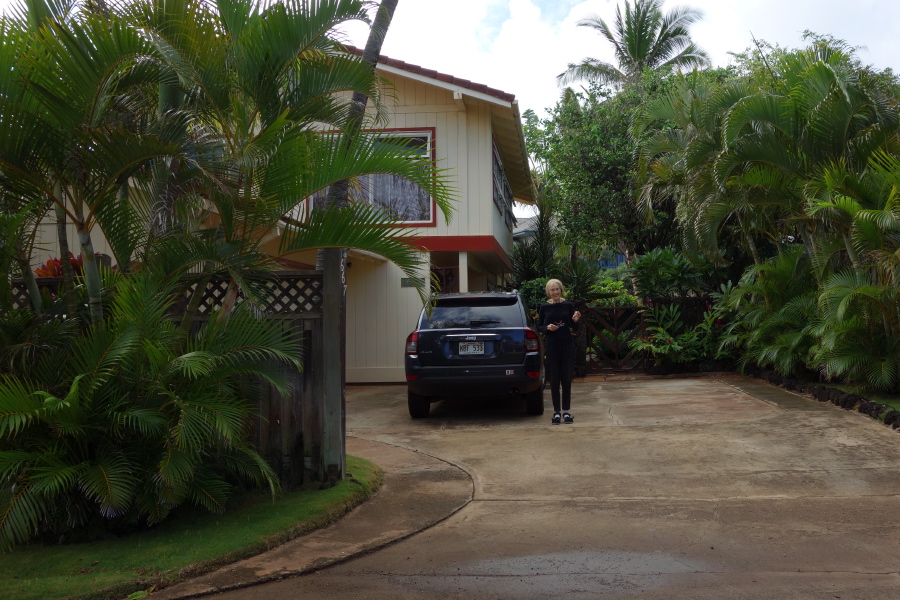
(562, 289)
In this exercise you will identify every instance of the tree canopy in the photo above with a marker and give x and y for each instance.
(642, 37)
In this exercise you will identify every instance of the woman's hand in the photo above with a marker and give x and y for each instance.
(576, 316)
(552, 327)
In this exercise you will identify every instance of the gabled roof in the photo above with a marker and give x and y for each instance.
(443, 77)
(507, 122)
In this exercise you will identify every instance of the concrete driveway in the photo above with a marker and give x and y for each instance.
(713, 487)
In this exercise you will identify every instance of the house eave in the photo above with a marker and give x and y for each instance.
(458, 89)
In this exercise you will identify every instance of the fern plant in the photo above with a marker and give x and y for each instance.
(861, 331)
(774, 319)
(130, 418)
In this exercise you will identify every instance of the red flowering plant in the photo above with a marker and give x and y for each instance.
(53, 267)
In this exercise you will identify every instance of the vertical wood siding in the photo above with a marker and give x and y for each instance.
(47, 244)
(380, 313)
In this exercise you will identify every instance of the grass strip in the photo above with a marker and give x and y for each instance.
(186, 545)
(892, 400)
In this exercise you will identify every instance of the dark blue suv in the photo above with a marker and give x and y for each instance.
(474, 344)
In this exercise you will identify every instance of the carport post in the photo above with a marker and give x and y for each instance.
(334, 327)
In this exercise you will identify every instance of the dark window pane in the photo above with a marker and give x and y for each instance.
(466, 313)
(402, 199)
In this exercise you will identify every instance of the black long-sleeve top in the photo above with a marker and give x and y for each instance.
(559, 314)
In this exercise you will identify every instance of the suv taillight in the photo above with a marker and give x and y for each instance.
(412, 343)
(532, 341)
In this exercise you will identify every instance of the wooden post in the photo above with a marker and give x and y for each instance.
(334, 292)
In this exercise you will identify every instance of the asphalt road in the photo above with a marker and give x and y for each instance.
(718, 488)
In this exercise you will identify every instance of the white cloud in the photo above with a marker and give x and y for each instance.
(728, 25)
(524, 53)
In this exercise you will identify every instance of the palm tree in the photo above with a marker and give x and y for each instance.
(129, 419)
(678, 162)
(537, 257)
(642, 38)
(150, 417)
(72, 133)
(244, 145)
(813, 151)
(261, 84)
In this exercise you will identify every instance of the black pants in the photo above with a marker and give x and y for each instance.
(561, 364)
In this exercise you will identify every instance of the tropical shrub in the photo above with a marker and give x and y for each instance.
(670, 340)
(860, 333)
(534, 293)
(536, 257)
(795, 164)
(663, 337)
(126, 420)
(611, 293)
(579, 277)
(774, 316)
(620, 273)
(666, 273)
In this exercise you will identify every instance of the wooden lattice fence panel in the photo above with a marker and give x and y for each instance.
(21, 299)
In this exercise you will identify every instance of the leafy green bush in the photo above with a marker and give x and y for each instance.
(667, 273)
(774, 315)
(669, 341)
(126, 420)
(578, 279)
(534, 293)
(611, 293)
(860, 333)
(621, 273)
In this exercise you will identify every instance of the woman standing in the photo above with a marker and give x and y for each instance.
(557, 319)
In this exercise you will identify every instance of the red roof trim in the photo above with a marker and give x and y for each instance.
(443, 77)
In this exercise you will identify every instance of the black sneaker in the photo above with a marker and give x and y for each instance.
(568, 418)
(555, 419)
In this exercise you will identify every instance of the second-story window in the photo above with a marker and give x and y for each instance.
(503, 196)
(402, 199)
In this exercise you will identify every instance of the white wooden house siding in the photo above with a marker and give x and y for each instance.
(46, 245)
(380, 312)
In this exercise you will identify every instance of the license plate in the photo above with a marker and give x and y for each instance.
(471, 348)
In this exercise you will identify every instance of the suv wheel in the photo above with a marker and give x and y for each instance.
(419, 406)
(534, 402)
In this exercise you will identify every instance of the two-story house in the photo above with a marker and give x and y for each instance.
(475, 132)
(472, 131)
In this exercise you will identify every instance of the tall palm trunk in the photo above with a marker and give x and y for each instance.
(34, 292)
(754, 251)
(190, 313)
(62, 236)
(851, 252)
(90, 271)
(335, 317)
(338, 196)
(165, 190)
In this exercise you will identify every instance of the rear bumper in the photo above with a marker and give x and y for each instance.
(482, 380)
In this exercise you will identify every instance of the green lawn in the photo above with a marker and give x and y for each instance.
(892, 400)
(185, 545)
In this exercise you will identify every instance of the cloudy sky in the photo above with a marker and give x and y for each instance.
(519, 46)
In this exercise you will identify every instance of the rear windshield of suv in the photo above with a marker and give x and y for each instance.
(474, 313)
